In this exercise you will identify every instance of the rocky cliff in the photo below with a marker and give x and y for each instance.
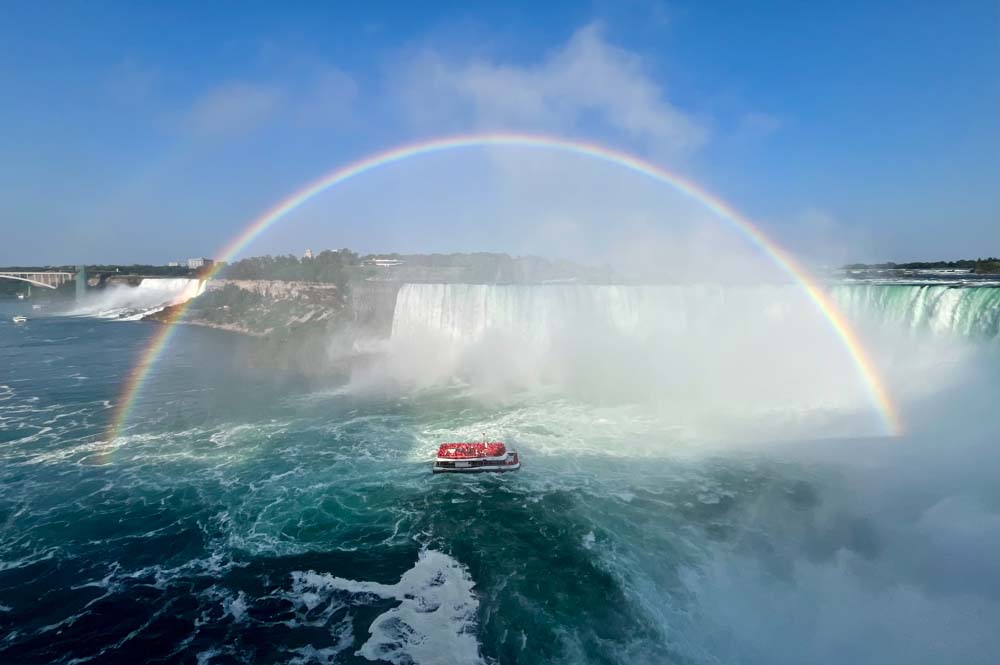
(269, 307)
(372, 304)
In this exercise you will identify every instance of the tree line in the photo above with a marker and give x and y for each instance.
(988, 265)
(330, 266)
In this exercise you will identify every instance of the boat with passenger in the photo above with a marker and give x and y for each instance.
(475, 457)
(19, 318)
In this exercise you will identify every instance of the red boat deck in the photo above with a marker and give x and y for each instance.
(471, 450)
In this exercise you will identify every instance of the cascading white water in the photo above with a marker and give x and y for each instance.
(698, 350)
(468, 312)
(966, 311)
(130, 303)
(540, 313)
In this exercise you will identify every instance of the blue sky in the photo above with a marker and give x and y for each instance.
(143, 132)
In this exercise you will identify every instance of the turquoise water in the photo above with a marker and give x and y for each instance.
(966, 311)
(250, 517)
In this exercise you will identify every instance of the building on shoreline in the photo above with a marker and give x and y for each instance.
(383, 263)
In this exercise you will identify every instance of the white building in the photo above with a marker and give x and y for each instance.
(384, 263)
(308, 254)
(173, 264)
(199, 263)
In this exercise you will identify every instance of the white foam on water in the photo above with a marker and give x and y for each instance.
(327, 655)
(160, 577)
(435, 621)
(71, 453)
(36, 556)
(236, 607)
(205, 657)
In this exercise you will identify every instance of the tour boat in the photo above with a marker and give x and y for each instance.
(478, 457)
(19, 319)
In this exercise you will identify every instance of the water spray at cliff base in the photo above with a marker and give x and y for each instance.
(132, 303)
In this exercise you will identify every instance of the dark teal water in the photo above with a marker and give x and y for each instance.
(246, 517)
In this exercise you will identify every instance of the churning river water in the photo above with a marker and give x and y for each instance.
(247, 516)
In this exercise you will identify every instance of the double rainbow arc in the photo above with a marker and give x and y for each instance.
(873, 384)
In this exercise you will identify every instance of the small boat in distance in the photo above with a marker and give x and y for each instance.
(475, 457)
(18, 318)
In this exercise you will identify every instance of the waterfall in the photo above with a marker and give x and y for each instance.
(131, 303)
(965, 311)
(538, 313)
(696, 351)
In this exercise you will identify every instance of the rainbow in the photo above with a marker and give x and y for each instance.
(866, 369)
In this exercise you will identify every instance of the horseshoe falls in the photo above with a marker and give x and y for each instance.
(463, 311)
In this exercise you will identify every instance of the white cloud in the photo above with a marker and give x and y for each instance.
(587, 81)
(757, 125)
(325, 95)
(329, 97)
(234, 107)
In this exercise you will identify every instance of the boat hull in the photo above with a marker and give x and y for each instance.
(496, 468)
(509, 462)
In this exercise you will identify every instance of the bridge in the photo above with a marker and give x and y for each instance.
(50, 279)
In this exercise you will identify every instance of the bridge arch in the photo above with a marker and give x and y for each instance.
(49, 280)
